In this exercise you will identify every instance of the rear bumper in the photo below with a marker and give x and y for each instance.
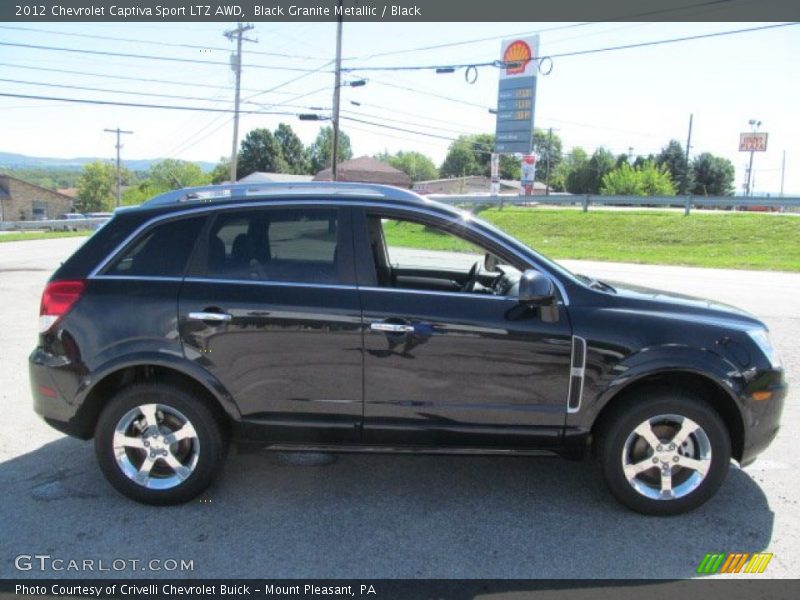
(49, 401)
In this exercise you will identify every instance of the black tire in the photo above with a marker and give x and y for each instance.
(616, 441)
(201, 455)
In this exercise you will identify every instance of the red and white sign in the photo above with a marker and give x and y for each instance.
(753, 142)
(528, 165)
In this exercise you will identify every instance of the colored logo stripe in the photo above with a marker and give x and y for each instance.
(758, 563)
(734, 562)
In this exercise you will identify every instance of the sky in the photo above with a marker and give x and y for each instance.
(635, 99)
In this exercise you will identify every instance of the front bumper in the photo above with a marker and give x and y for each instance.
(762, 417)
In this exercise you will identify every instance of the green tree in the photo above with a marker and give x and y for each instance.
(222, 172)
(320, 153)
(647, 180)
(674, 157)
(461, 159)
(601, 162)
(259, 151)
(572, 174)
(414, 164)
(171, 174)
(294, 153)
(712, 175)
(96, 187)
(472, 155)
(546, 146)
(509, 167)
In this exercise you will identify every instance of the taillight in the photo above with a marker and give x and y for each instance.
(57, 298)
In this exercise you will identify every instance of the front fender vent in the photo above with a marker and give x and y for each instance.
(576, 374)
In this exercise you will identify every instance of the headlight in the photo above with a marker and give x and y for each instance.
(760, 337)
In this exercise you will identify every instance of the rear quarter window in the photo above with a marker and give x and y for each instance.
(161, 251)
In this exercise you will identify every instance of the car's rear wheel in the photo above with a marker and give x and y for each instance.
(663, 451)
(157, 444)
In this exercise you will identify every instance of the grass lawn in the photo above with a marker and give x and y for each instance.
(19, 236)
(731, 240)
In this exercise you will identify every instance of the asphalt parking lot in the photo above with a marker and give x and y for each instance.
(387, 516)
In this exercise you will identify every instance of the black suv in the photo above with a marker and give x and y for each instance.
(366, 318)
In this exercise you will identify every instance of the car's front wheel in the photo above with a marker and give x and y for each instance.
(663, 451)
(159, 445)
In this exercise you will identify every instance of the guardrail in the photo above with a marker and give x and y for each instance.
(587, 200)
(53, 224)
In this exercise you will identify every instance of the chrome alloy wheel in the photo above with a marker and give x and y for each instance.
(156, 446)
(666, 457)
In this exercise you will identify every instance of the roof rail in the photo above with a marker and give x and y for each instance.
(210, 193)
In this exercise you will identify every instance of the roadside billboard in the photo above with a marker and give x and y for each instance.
(753, 142)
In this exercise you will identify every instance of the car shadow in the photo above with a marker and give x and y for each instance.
(370, 516)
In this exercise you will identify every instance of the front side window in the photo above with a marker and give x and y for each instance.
(162, 251)
(291, 245)
(414, 255)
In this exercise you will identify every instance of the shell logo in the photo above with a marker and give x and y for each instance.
(519, 55)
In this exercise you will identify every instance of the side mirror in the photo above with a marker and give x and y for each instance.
(536, 289)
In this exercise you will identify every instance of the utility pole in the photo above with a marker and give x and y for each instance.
(688, 147)
(337, 88)
(236, 66)
(783, 170)
(547, 164)
(118, 146)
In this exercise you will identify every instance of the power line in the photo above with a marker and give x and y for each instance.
(192, 140)
(406, 113)
(465, 42)
(147, 94)
(136, 105)
(127, 78)
(292, 99)
(428, 93)
(413, 124)
(150, 57)
(557, 28)
(422, 133)
(290, 81)
(669, 41)
(94, 89)
(501, 64)
(157, 43)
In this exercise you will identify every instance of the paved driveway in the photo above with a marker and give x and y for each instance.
(387, 516)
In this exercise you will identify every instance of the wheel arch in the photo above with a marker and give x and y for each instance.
(719, 398)
(119, 376)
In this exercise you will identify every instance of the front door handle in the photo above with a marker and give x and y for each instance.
(210, 316)
(391, 327)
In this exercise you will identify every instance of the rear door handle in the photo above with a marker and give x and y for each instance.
(391, 327)
(210, 316)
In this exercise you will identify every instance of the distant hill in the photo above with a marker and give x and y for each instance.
(9, 160)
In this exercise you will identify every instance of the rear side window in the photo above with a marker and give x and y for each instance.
(291, 245)
(160, 252)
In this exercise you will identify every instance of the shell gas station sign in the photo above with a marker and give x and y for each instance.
(516, 97)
